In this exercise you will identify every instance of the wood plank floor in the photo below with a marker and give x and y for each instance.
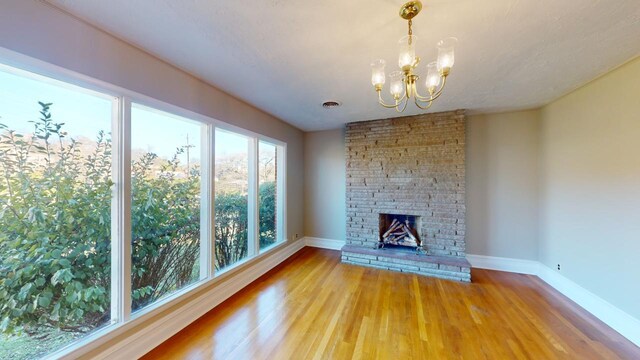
(314, 307)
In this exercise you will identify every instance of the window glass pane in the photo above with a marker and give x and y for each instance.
(267, 193)
(55, 204)
(231, 185)
(165, 211)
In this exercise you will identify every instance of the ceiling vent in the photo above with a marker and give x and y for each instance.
(330, 104)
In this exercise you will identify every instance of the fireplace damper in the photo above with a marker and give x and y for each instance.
(399, 231)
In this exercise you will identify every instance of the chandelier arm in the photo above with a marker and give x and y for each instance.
(406, 101)
(413, 89)
(439, 92)
(435, 94)
(406, 89)
(417, 102)
(431, 98)
(381, 102)
(423, 98)
(403, 97)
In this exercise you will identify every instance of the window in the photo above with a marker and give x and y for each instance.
(55, 214)
(232, 198)
(267, 193)
(108, 208)
(165, 205)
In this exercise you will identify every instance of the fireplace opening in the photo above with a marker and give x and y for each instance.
(401, 231)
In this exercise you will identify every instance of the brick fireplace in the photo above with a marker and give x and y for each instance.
(413, 169)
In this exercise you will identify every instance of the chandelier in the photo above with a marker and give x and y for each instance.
(403, 82)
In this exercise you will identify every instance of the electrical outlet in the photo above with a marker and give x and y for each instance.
(558, 266)
(297, 236)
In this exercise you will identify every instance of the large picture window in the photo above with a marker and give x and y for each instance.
(111, 210)
(55, 204)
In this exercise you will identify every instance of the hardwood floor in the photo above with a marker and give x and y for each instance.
(314, 307)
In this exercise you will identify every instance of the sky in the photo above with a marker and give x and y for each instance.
(85, 113)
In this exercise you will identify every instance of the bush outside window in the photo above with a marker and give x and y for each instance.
(55, 215)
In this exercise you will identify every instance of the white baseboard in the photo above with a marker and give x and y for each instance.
(163, 327)
(625, 324)
(324, 243)
(504, 264)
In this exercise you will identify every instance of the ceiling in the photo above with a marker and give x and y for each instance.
(286, 57)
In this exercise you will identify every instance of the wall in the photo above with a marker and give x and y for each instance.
(502, 184)
(324, 188)
(36, 29)
(502, 191)
(590, 187)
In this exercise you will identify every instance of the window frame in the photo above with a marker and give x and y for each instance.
(122, 99)
(280, 150)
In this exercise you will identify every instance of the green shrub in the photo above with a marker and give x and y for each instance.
(54, 229)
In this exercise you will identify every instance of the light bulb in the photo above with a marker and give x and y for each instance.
(377, 73)
(397, 84)
(445, 54)
(407, 47)
(433, 76)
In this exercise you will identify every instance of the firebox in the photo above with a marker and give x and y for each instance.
(399, 230)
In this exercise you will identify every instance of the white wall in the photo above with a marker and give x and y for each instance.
(325, 185)
(38, 30)
(502, 184)
(590, 187)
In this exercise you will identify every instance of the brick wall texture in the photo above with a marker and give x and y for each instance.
(410, 165)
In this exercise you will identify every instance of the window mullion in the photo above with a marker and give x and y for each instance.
(121, 212)
(207, 203)
(253, 240)
(281, 194)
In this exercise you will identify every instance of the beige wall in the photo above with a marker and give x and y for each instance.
(502, 184)
(590, 187)
(36, 29)
(325, 185)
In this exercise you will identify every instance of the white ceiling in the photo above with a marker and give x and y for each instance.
(288, 56)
